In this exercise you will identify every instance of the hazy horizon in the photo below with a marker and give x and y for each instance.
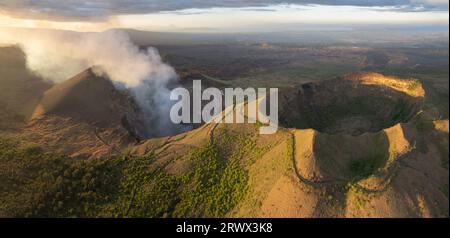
(235, 16)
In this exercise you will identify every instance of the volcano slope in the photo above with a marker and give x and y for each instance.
(20, 90)
(84, 116)
(391, 161)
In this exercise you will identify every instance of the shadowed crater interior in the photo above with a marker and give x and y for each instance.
(353, 104)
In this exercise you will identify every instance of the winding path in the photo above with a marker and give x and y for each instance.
(319, 184)
(113, 147)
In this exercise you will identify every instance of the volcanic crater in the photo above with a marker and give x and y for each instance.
(352, 104)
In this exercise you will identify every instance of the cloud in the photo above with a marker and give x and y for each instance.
(58, 55)
(70, 10)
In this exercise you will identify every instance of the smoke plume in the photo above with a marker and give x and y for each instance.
(59, 55)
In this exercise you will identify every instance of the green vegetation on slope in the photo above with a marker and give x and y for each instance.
(363, 168)
(39, 184)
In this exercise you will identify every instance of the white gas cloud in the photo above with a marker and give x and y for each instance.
(59, 55)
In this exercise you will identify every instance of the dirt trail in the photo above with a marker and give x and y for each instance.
(397, 164)
(113, 147)
(315, 184)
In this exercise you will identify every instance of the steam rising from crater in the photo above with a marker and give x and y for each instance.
(59, 55)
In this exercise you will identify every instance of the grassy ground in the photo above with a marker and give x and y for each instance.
(39, 184)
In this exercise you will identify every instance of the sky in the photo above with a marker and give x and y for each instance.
(219, 15)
